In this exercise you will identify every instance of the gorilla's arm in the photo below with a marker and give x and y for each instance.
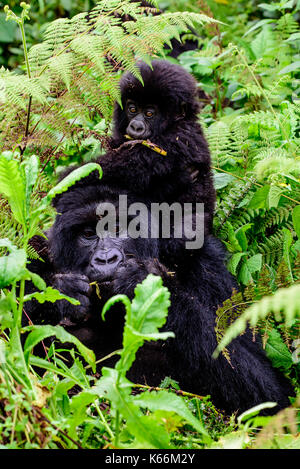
(249, 378)
(72, 284)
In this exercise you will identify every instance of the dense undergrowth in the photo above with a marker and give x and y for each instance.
(57, 89)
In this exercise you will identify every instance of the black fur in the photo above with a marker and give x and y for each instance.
(247, 381)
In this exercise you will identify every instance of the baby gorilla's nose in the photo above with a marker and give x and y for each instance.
(136, 128)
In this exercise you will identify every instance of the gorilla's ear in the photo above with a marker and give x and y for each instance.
(182, 112)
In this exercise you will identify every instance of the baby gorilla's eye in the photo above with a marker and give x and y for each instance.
(149, 113)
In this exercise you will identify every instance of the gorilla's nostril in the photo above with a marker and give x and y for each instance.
(113, 260)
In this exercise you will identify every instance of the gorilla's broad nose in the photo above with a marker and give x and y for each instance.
(110, 257)
(136, 128)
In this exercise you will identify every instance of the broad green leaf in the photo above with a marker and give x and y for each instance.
(39, 333)
(294, 67)
(7, 29)
(37, 281)
(254, 263)
(78, 408)
(50, 294)
(235, 245)
(277, 351)
(12, 186)
(12, 267)
(73, 177)
(31, 169)
(146, 430)
(245, 276)
(164, 400)
(259, 200)
(254, 411)
(274, 195)
(6, 318)
(222, 180)
(234, 262)
(123, 298)
(150, 305)
(263, 42)
(296, 220)
(144, 316)
(249, 266)
(266, 6)
(241, 236)
(258, 25)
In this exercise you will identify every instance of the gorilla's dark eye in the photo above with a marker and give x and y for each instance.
(132, 109)
(88, 232)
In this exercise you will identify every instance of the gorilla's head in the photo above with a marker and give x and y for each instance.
(168, 94)
(78, 244)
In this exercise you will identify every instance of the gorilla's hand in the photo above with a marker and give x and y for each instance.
(133, 272)
(76, 286)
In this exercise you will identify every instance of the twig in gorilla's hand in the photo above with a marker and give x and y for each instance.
(147, 143)
(97, 289)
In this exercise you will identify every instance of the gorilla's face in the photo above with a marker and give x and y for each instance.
(103, 255)
(77, 244)
(143, 120)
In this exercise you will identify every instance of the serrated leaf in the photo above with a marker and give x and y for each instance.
(234, 262)
(150, 305)
(254, 263)
(50, 294)
(73, 177)
(277, 351)
(144, 316)
(164, 400)
(146, 430)
(39, 333)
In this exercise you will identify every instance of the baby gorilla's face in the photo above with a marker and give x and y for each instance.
(143, 119)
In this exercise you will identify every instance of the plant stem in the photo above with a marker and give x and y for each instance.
(104, 421)
(21, 24)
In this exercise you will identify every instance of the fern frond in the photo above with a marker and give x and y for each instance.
(284, 304)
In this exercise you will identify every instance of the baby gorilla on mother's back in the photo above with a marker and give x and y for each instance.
(75, 256)
(163, 111)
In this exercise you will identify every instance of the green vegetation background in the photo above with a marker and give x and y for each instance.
(55, 110)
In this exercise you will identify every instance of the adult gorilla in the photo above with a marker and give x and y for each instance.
(75, 257)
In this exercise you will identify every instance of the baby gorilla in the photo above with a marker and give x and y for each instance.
(162, 111)
(74, 257)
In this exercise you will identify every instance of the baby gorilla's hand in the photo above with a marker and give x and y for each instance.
(76, 286)
(133, 272)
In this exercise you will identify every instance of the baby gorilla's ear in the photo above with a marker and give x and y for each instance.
(181, 112)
